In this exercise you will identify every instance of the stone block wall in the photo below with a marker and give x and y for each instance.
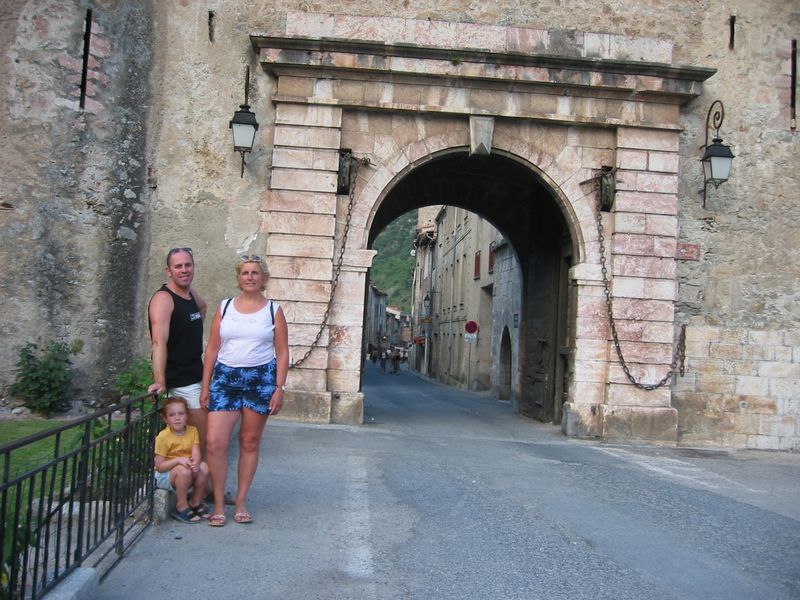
(741, 389)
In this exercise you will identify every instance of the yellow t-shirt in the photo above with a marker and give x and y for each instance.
(170, 445)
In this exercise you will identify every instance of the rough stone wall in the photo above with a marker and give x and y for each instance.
(740, 288)
(72, 181)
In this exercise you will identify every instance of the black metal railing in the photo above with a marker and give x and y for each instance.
(75, 495)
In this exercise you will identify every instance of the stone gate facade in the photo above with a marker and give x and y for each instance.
(401, 101)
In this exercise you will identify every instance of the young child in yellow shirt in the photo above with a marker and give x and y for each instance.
(179, 466)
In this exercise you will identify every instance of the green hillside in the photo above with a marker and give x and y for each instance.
(393, 267)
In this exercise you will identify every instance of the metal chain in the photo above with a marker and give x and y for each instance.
(679, 356)
(357, 162)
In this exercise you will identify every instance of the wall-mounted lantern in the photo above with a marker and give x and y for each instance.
(717, 158)
(426, 305)
(244, 125)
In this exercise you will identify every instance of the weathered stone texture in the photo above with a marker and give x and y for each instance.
(72, 228)
(653, 425)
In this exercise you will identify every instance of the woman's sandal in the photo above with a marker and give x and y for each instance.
(201, 510)
(243, 517)
(216, 520)
(187, 515)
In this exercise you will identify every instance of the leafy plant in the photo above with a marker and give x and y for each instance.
(43, 377)
(135, 380)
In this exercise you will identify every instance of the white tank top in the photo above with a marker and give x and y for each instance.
(246, 339)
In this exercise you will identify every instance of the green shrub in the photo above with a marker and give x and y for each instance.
(135, 380)
(43, 377)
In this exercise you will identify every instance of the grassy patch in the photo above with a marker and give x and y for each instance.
(32, 455)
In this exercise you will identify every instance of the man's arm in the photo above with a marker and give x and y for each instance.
(160, 313)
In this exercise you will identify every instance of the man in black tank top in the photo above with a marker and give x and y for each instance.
(176, 313)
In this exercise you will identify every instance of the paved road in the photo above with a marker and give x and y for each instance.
(449, 495)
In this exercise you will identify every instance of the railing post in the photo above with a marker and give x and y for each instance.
(123, 482)
(151, 486)
(83, 482)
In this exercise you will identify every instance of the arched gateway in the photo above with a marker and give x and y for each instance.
(513, 124)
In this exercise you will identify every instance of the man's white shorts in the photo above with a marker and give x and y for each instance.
(190, 392)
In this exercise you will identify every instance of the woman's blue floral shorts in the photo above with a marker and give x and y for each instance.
(234, 388)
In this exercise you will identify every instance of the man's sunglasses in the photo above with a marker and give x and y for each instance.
(176, 250)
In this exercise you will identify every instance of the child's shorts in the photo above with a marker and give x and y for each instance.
(163, 482)
(235, 388)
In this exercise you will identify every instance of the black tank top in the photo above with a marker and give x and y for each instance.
(185, 344)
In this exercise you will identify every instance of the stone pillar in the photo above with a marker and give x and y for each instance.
(640, 243)
(301, 225)
(642, 247)
(346, 325)
(587, 386)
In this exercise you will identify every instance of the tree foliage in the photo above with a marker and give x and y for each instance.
(393, 267)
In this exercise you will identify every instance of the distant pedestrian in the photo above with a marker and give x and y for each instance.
(395, 361)
(179, 466)
(383, 360)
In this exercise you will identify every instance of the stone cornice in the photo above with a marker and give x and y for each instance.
(375, 60)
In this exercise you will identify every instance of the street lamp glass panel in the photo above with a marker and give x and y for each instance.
(720, 168)
(244, 135)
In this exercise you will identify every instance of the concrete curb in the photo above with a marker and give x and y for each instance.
(163, 505)
(82, 584)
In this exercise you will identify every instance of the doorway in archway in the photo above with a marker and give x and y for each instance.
(504, 369)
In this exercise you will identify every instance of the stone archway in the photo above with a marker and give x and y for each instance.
(565, 105)
(517, 199)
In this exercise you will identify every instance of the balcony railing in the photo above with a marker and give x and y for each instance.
(75, 495)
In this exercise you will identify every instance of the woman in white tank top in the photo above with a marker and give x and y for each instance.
(244, 376)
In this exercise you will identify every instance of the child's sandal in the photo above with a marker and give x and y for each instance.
(187, 515)
(201, 510)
